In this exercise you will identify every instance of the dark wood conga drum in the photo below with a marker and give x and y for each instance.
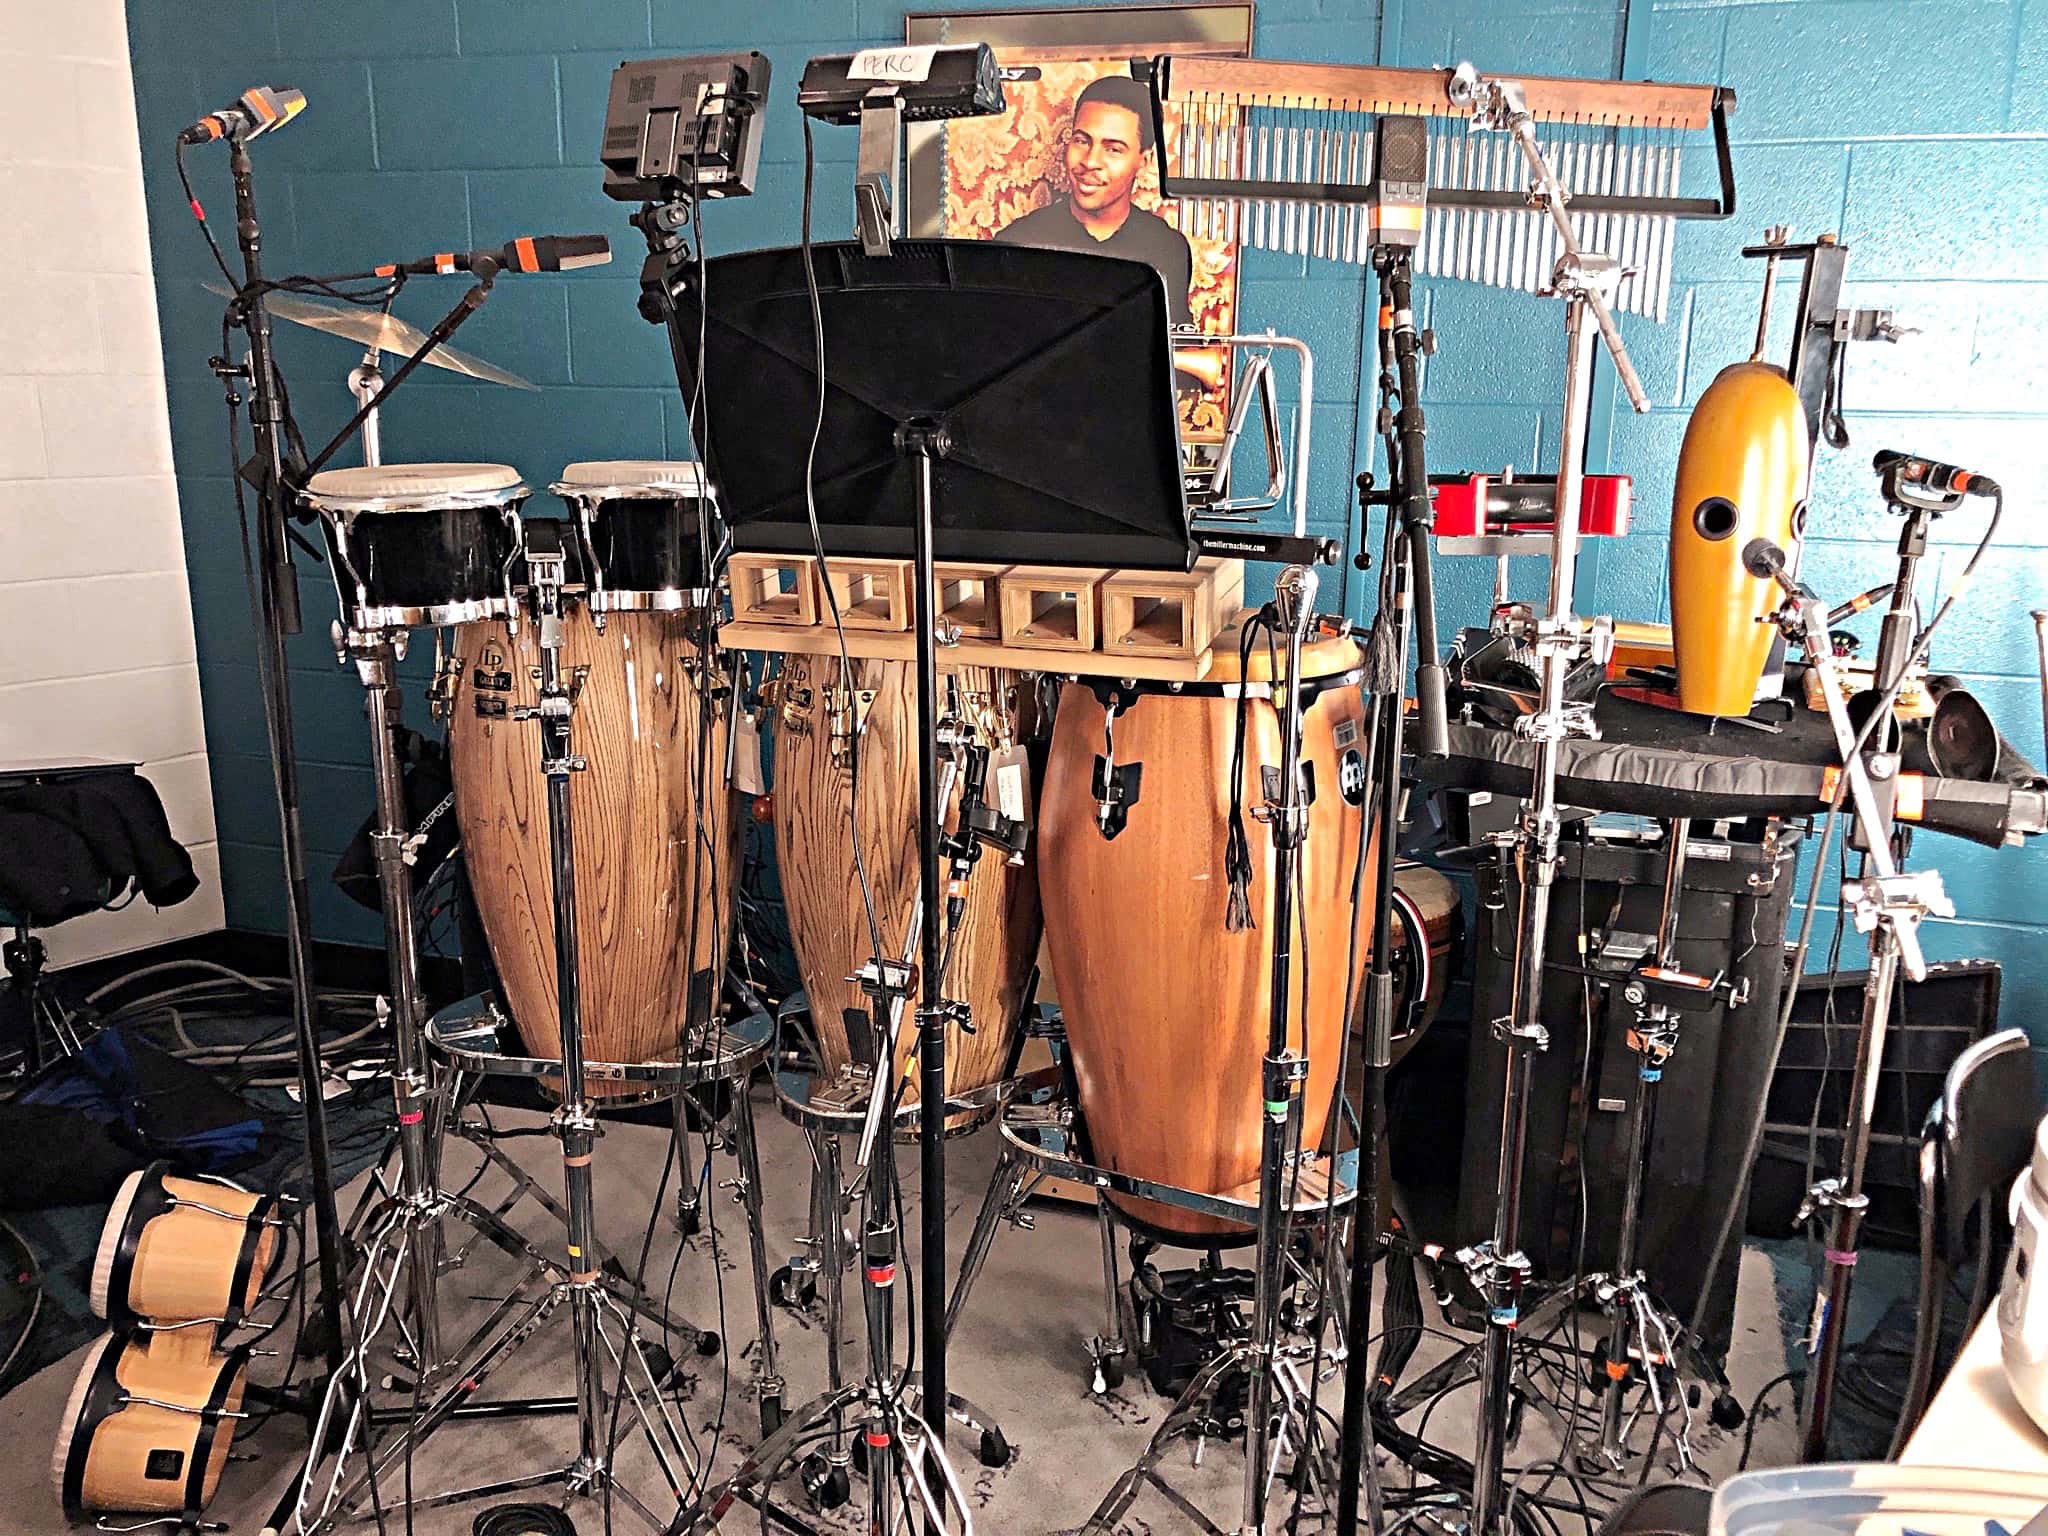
(1167, 1010)
(813, 799)
(652, 818)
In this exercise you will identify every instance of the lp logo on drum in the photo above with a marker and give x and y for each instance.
(1351, 776)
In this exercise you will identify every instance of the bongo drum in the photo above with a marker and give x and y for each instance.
(817, 729)
(1167, 1009)
(177, 1250)
(148, 1425)
(415, 544)
(653, 824)
(637, 524)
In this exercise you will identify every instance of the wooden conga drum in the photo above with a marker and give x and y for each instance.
(148, 1425)
(815, 736)
(1167, 1010)
(653, 822)
(178, 1250)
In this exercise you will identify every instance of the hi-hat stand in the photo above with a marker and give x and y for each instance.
(1584, 281)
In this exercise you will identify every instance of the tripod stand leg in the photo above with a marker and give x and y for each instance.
(770, 1372)
(1005, 1193)
(1109, 1350)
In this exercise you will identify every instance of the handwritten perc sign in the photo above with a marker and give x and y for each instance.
(895, 65)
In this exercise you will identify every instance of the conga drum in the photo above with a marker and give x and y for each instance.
(653, 829)
(148, 1425)
(817, 730)
(1167, 1008)
(177, 1251)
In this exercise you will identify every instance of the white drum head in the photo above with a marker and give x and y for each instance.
(613, 479)
(110, 1242)
(411, 487)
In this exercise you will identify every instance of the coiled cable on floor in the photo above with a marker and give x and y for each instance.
(524, 1520)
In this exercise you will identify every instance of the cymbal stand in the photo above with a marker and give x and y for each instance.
(1584, 281)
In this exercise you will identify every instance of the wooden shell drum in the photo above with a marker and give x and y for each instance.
(148, 1425)
(1167, 1010)
(649, 789)
(1424, 902)
(416, 544)
(998, 938)
(637, 528)
(177, 1250)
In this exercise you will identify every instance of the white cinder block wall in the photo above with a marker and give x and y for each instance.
(96, 652)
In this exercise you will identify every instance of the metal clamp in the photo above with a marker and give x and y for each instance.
(1828, 1194)
(1900, 899)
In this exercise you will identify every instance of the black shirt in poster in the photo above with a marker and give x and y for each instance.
(1142, 237)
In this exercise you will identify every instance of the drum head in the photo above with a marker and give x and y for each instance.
(412, 487)
(1324, 656)
(111, 1234)
(630, 479)
(69, 1422)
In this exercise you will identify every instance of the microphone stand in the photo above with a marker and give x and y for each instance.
(279, 602)
(1404, 576)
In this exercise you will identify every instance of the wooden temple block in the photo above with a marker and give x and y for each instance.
(774, 589)
(1050, 607)
(872, 594)
(966, 599)
(1169, 613)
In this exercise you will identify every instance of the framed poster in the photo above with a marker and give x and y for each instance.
(1070, 163)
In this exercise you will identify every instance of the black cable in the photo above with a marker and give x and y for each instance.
(524, 1520)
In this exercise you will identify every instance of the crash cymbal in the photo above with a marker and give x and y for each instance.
(386, 332)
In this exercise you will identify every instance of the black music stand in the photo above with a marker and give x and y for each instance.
(982, 402)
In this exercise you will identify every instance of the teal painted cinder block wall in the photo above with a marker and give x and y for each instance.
(1917, 129)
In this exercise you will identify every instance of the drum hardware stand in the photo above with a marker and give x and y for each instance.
(1497, 1267)
(583, 1284)
(1886, 902)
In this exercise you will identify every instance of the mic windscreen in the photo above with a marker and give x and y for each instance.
(557, 253)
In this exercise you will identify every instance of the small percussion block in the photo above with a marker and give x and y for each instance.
(774, 589)
(1050, 607)
(1169, 613)
(966, 598)
(872, 594)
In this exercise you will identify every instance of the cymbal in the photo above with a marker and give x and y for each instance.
(386, 332)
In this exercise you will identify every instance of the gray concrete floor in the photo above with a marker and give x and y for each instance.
(1018, 1354)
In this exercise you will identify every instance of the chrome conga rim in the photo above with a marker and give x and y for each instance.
(478, 1036)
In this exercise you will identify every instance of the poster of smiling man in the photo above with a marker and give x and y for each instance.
(1071, 162)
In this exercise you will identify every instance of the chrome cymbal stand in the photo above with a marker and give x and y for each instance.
(1584, 281)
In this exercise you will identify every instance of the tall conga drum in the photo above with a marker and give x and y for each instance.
(1167, 1008)
(818, 728)
(653, 827)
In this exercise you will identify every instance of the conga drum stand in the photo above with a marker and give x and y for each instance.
(592, 1295)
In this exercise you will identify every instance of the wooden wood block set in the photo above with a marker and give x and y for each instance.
(1153, 623)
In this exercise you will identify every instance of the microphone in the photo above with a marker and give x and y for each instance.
(255, 112)
(529, 253)
(1933, 474)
